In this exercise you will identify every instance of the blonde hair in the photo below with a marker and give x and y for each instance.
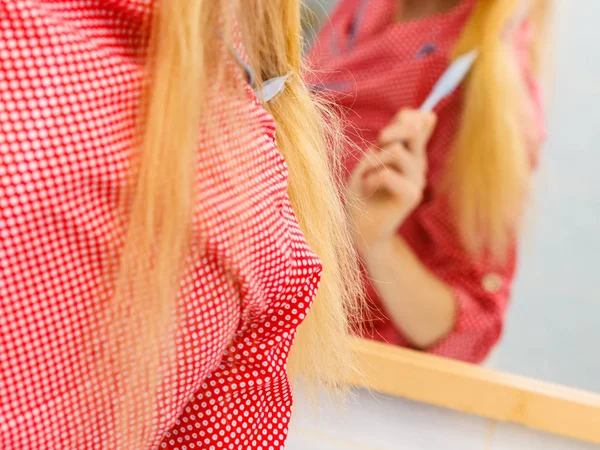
(184, 53)
(488, 171)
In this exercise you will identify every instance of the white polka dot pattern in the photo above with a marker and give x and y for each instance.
(388, 66)
(70, 75)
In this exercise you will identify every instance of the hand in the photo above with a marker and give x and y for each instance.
(389, 181)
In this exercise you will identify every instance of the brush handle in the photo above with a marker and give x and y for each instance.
(450, 80)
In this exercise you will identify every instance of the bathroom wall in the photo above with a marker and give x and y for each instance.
(372, 421)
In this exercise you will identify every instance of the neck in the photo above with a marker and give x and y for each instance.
(418, 9)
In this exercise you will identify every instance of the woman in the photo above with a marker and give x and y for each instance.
(153, 270)
(439, 220)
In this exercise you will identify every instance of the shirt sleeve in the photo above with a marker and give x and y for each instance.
(246, 403)
(481, 287)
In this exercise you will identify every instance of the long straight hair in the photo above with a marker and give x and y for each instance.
(184, 53)
(488, 171)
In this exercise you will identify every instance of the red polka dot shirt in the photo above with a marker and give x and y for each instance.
(373, 67)
(70, 81)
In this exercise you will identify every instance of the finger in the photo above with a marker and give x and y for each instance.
(398, 158)
(413, 128)
(428, 118)
(369, 163)
(387, 182)
(386, 156)
(418, 129)
(431, 123)
(396, 131)
(375, 160)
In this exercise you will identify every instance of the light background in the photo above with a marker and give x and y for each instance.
(376, 422)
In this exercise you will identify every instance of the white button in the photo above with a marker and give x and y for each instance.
(491, 283)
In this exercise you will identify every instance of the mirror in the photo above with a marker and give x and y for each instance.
(447, 281)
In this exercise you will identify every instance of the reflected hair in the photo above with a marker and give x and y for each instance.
(488, 174)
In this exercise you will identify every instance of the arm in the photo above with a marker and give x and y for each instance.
(441, 299)
(390, 181)
(417, 302)
(435, 295)
(476, 291)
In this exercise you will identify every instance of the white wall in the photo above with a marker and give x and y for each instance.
(375, 422)
(552, 328)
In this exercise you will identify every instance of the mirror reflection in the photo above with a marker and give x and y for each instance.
(445, 106)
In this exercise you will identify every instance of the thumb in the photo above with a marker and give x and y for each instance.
(430, 123)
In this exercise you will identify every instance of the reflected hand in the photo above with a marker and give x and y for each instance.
(389, 181)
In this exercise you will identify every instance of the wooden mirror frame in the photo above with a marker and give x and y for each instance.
(477, 390)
